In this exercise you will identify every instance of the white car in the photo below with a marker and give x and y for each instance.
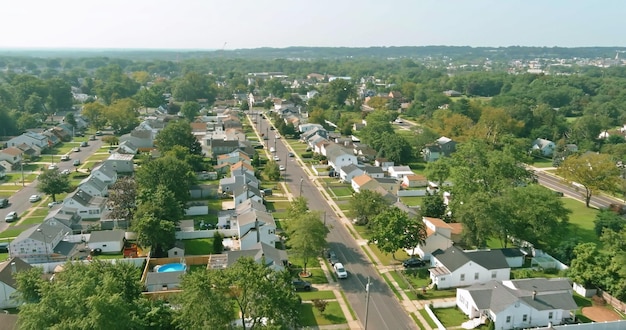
(52, 167)
(65, 172)
(276, 158)
(281, 167)
(278, 136)
(340, 270)
(34, 198)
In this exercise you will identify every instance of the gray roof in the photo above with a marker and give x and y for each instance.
(153, 278)
(106, 236)
(453, 258)
(497, 296)
(373, 169)
(250, 204)
(252, 216)
(386, 180)
(334, 150)
(512, 253)
(6, 275)
(350, 168)
(260, 250)
(251, 190)
(106, 169)
(93, 181)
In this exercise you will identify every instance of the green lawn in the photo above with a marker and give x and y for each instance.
(317, 295)
(198, 246)
(4, 256)
(341, 191)
(12, 232)
(41, 211)
(450, 317)
(581, 220)
(426, 317)
(310, 316)
(317, 275)
(363, 231)
(98, 157)
(277, 206)
(412, 200)
(386, 258)
(542, 162)
(32, 220)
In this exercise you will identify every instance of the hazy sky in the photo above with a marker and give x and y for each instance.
(209, 24)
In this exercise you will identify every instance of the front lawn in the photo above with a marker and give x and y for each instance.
(341, 191)
(328, 295)
(317, 275)
(450, 317)
(32, 220)
(198, 246)
(310, 316)
(581, 220)
(386, 258)
(12, 232)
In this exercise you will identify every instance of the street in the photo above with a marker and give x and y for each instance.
(19, 201)
(385, 312)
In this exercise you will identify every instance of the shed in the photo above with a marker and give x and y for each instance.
(514, 257)
(177, 251)
(109, 241)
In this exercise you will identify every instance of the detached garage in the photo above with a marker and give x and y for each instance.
(109, 241)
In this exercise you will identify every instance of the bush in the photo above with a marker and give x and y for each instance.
(307, 155)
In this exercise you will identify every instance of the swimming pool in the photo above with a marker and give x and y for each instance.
(167, 268)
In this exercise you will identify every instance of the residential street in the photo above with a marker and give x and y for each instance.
(385, 312)
(19, 200)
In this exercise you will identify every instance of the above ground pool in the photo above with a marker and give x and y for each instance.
(171, 268)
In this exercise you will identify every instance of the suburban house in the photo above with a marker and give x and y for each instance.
(339, 157)
(360, 181)
(121, 163)
(61, 134)
(272, 257)
(8, 285)
(303, 128)
(519, 304)
(53, 140)
(226, 218)
(348, 172)
(143, 139)
(233, 157)
(443, 146)
(414, 180)
(109, 241)
(399, 172)
(228, 184)
(241, 168)
(12, 155)
(374, 171)
(254, 227)
(242, 192)
(544, 146)
(29, 151)
(127, 147)
(454, 267)
(105, 172)
(221, 147)
(3, 171)
(439, 236)
(383, 162)
(87, 206)
(38, 244)
(67, 217)
(315, 131)
(94, 186)
(31, 139)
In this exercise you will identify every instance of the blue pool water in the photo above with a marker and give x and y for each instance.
(171, 268)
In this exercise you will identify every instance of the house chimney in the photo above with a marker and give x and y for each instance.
(534, 294)
(13, 268)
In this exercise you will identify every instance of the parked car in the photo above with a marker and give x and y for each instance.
(92, 138)
(281, 168)
(65, 157)
(52, 167)
(272, 150)
(340, 270)
(65, 172)
(413, 263)
(276, 158)
(84, 144)
(98, 133)
(332, 257)
(76, 149)
(12, 216)
(4, 202)
(34, 198)
(300, 284)
(52, 204)
(290, 154)
(76, 162)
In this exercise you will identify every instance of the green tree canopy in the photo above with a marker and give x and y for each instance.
(178, 133)
(393, 229)
(594, 172)
(52, 182)
(365, 205)
(307, 236)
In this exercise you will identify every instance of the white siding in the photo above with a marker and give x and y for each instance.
(466, 275)
(111, 246)
(534, 318)
(6, 300)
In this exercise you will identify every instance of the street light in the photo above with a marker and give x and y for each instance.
(367, 300)
(45, 242)
(301, 180)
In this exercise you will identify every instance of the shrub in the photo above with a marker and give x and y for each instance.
(320, 304)
(307, 155)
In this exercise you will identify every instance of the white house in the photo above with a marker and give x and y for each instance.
(439, 236)
(127, 147)
(94, 186)
(228, 184)
(399, 172)
(306, 127)
(12, 155)
(37, 244)
(31, 139)
(105, 172)
(140, 138)
(454, 267)
(383, 162)
(254, 227)
(85, 205)
(121, 163)
(8, 285)
(545, 147)
(360, 181)
(274, 258)
(374, 171)
(519, 304)
(339, 156)
(348, 172)
(109, 241)
(242, 192)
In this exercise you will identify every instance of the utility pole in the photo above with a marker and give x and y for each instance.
(367, 300)
(22, 169)
(301, 180)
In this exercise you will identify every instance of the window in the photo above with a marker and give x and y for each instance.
(524, 318)
(550, 315)
(508, 319)
(175, 253)
(462, 277)
(475, 276)
(493, 274)
(442, 279)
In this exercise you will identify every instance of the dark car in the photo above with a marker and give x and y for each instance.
(413, 262)
(332, 257)
(290, 154)
(84, 144)
(4, 203)
(300, 284)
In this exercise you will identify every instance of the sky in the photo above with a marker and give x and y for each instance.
(235, 24)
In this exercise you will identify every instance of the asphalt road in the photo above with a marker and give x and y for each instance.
(385, 312)
(19, 201)
(554, 183)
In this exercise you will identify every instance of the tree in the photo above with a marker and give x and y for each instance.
(173, 174)
(70, 119)
(261, 293)
(178, 133)
(395, 148)
(594, 172)
(272, 170)
(244, 106)
(52, 182)
(297, 208)
(433, 206)
(366, 204)
(320, 304)
(586, 268)
(159, 234)
(96, 295)
(29, 284)
(123, 199)
(203, 303)
(111, 140)
(190, 109)
(94, 112)
(218, 243)
(196, 162)
(307, 236)
(438, 171)
(606, 219)
(161, 203)
(393, 229)
(122, 115)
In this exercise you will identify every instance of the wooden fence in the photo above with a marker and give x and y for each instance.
(617, 304)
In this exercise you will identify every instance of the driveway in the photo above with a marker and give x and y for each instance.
(385, 312)
(19, 201)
